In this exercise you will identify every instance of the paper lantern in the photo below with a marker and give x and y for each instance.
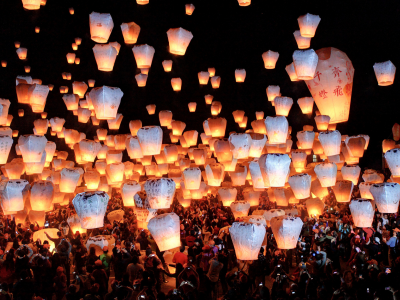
(283, 105)
(71, 58)
(5, 147)
(105, 56)
(14, 194)
(69, 179)
(106, 101)
(318, 190)
(300, 185)
(189, 8)
(215, 82)
(179, 40)
(305, 139)
(362, 212)
(215, 174)
(272, 92)
(227, 195)
(192, 178)
(343, 190)
(203, 77)
(91, 207)
(4, 63)
(393, 160)
(388, 145)
(251, 196)
(351, 172)
(240, 144)
(244, 2)
(114, 124)
(141, 80)
(192, 106)
(101, 26)
(165, 230)
(240, 75)
(291, 72)
(160, 192)
(330, 141)
(240, 208)
(41, 195)
(268, 215)
(355, 146)
(365, 192)
(385, 72)
(27, 69)
(130, 31)
(22, 53)
(238, 176)
(386, 196)
(305, 63)
(277, 129)
(74, 223)
(150, 140)
(274, 169)
(247, 239)
(315, 207)
(373, 176)
(31, 4)
(257, 144)
(270, 58)
(143, 55)
(32, 147)
(208, 99)
(217, 126)
(286, 230)
(306, 104)
(71, 101)
(332, 98)
(302, 42)
(308, 25)
(326, 173)
(165, 117)
(38, 95)
(92, 179)
(128, 190)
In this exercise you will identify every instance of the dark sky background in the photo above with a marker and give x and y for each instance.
(227, 37)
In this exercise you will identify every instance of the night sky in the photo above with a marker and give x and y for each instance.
(227, 37)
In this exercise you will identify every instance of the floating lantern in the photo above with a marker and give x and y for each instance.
(315, 207)
(259, 115)
(302, 42)
(385, 72)
(291, 72)
(270, 58)
(69, 179)
(240, 209)
(32, 147)
(165, 117)
(274, 169)
(240, 144)
(257, 144)
(37, 95)
(92, 179)
(31, 4)
(5, 147)
(160, 192)
(14, 194)
(192, 106)
(286, 230)
(215, 174)
(151, 109)
(176, 84)
(305, 139)
(189, 8)
(283, 105)
(22, 53)
(192, 178)
(91, 207)
(208, 99)
(134, 126)
(277, 129)
(301, 185)
(165, 230)
(308, 25)
(141, 80)
(217, 126)
(27, 69)
(388, 145)
(330, 141)
(238, 176)
(128, 190)
(143, 55)
(373, 176)
(179, 40)
(71, 58)
(318, 190)
(306, 105)
(355, 146)
(89, 150)
(305, 63)
(240, 75)
(130, 31)
(101, 26)
(167, 65)
(83, 115)
(106, 101)
(332, 98)
(362, 212)
(71, 101)
(203, 77)
(41, 195)
(343, 190)
(326, 173)
(393, 160)
(4, 63)
(386, 196)
(247, 239)
(227, 195)
(74, 223)
(365, 192)
(272, 92)
(251, 196)
(215, 82)
(105, 56)
(351, 172)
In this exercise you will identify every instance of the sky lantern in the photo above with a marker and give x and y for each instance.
(272, 92)
(386, 196)
(32, 147)
(143, 55)
(251, 196)
(247, 239)
(83, 115)
(115, 172)
(41, 126)
(365, 192)
(299, 160)
(189, 8)
(351, 172)
(192, 178)
(176, 84)
(165, 229)
(105, 56)
(91, 208)
(192, 106)
(89, 150)
(240, 144)
(305, 139)
(141, 80)
(240, 208)
(134, 126)
(151, 109)
(217, 126)
(274, 169)
(160, 192)
(373, 176)
(238, 176)
(355, 145)
(128, 190)
(38, 95)
(165, 117)
(362, 212)
(270, 58)
(179, 40)
(22, 53)
(322, 122)
(286, 230)
(343, 190)
(106, 101)
(215, 173)
(277, 129)
(227, 195)
(393, 160)
(5, 147)
(283, 105)
(203, 77)
(167, 65)
(305, 62)
(300, 185)
(178, 127)
(69, 179)
(41, 195)
(306, 104)
(208, 99)
(302, 42)
(31, 4)
(71, 58)
(79, 88)
(215, 82)
(385, 72)
(240, 75)
(92, 179)
(257, 144)
(130, 31)
(101, 26)
(74, 223)
(142, 2)
(318, 190)
(388, 145)
(326, 173)
(308, 25)
(331, 96)
(330, 141)
(14, 194)
(315, 207)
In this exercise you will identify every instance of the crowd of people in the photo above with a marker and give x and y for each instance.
(332, 259)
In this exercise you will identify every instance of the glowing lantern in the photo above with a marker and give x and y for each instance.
(189, 8)
(89, 150)
(215, 174)
(151, 109)
(306, 105)
(71, 101)
(113, 156)
(333, 99)
(105, 56)
(192, 106)
(351, 172)
(165, 230)
(330, 141)
(106, 101)
(71, 58)
(286, 230)
(251, 196)
(362, 212)
(101, 26)
(215, 82)
(315, 207)
(14, 194)
(305, 62)
(388, 145)
(217, 126)
(208, 99)
(240, 75)
(134, 126)
(247, 239)
(179, 40)
(32, 147)
(130, 31)
(301, 185)
(192, 178)
(240, 144)
(31, 4)
(373, 176)
(355, 146)
(240, 208)
(91, 207)
(83, 115)
(283, 105)
(41, 195)
(114, 124)
(386, 196)
(74, 223)
(305, 139)
(22, 53)
(165, 117)
(160, 192)
(343, 190)
(21, 112)
(302, 42)
(257, 144)
(37, 95)
(308, 25)
(27, 69)
(203, 77)
(385, 72)
(150, 140)
(92, 179)
(143, 55)
(274, 169)
(227, 195)
(69, 179)
(5, 147)
(176, 84)
(277, 129)
(141, 80)
(365, 192)
(326, 173)
(393, 160)
(128, 190)
(4, 63)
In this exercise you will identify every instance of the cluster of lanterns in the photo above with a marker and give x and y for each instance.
(260, 159)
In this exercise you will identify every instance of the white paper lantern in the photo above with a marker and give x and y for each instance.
(240, 208)
(240, 145)
(32, 147)
(247, 239)
(227, 195)
(160, 192)
(386, 196)
(270, 58)
(130, 31)
(301, 185)
(283, 105)
(179, 40)
(362, 212)
(308, 24)
(192, 178)
(277, 129)
(351, 172)
(215, 174)
(14, 193)
(326, 173)
(101, 26)
(306, 104)
(330, 141)
(274, 169)
(106, 101)
(105, 56)
(128, 190)
(393, 160)
(305, 63)
(42, 193)
(343, 190)
(143, 55)
(150, 140)
(91, 207)
(286, 231)
(165, 229)
(251, 196)
(302, 42)
(315, 207)
(385, 72)
(5, 147)
(240, 75)
(69, 179)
